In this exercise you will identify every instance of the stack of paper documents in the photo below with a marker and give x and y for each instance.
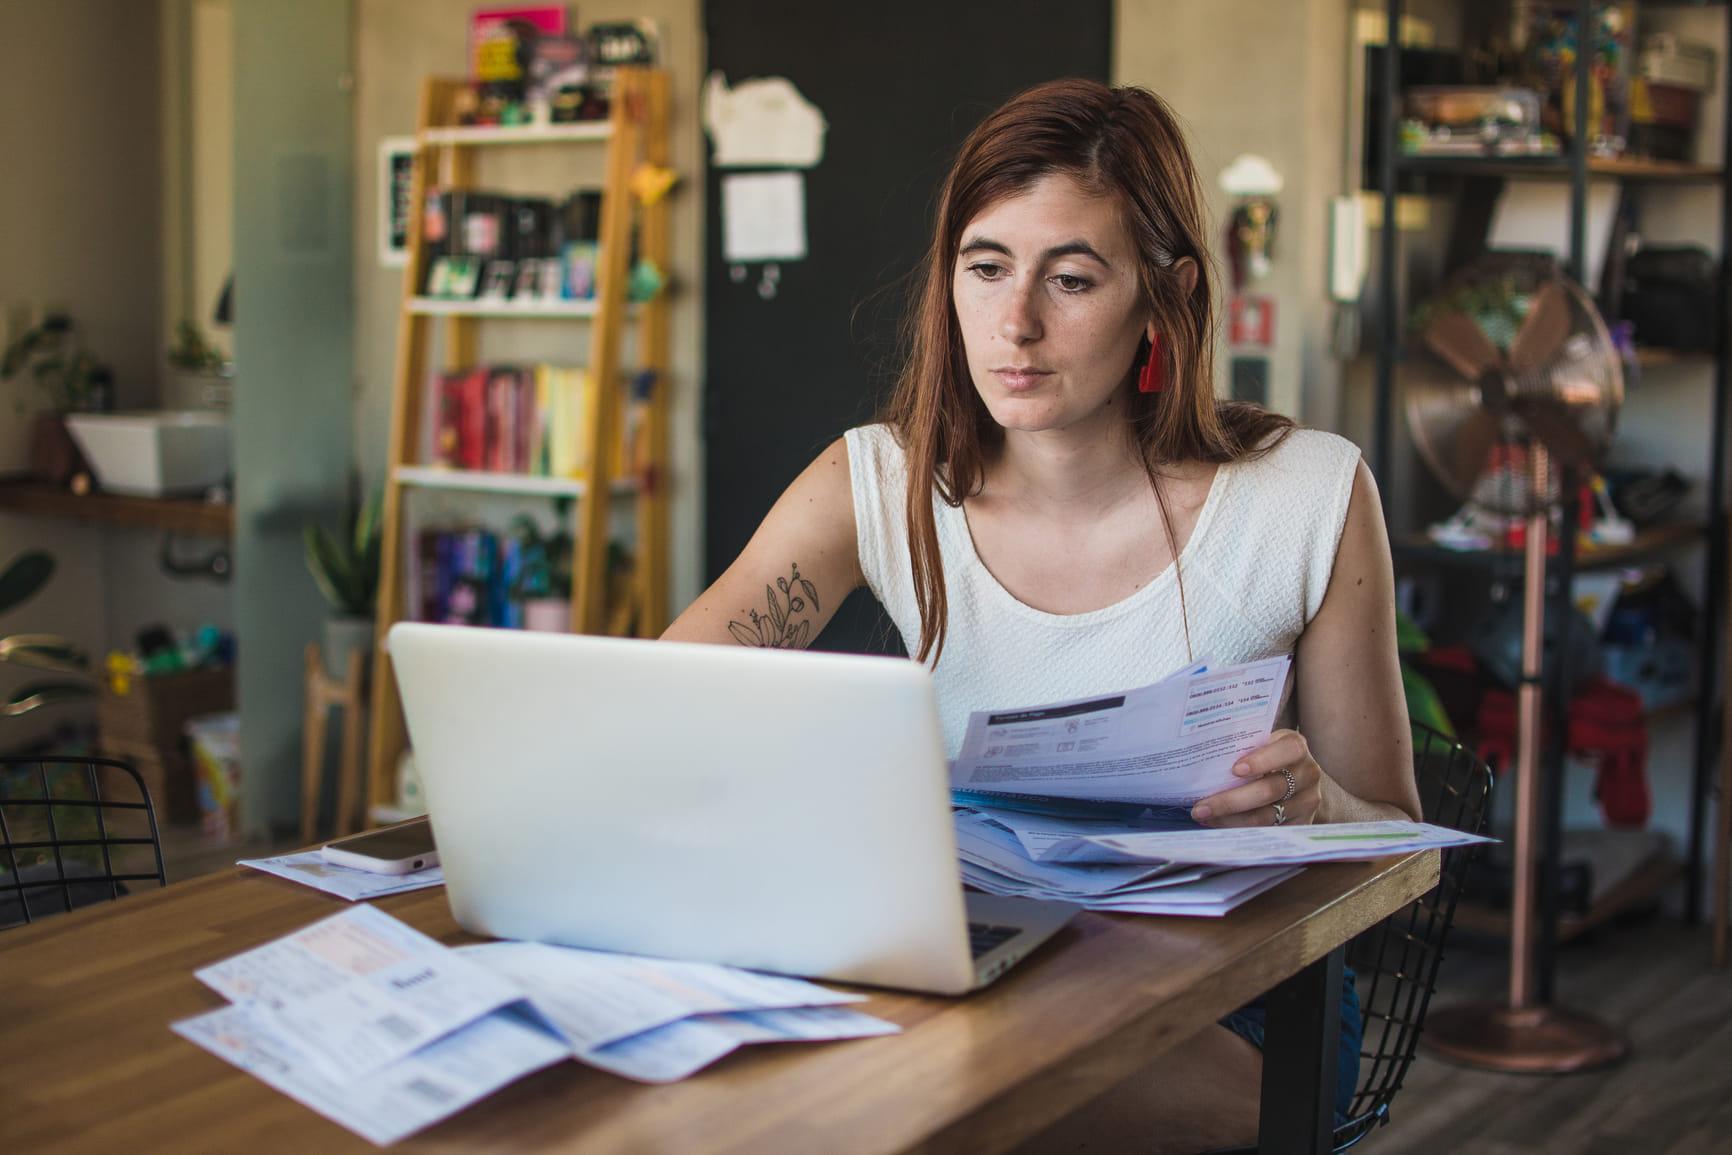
(1120, 763)
(386, 1031)
(1244, 846)
(1087, 801)
(995, 858)
(309, 868)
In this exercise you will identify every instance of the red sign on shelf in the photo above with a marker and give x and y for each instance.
(1251, 321)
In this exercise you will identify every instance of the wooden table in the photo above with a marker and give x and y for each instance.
(87, 1060)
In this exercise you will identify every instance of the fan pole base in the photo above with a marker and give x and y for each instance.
(1529, 1041)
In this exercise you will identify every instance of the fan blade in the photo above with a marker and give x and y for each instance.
(1475, 438)
(1543, 330)
(1550, 421)
(1462, 344)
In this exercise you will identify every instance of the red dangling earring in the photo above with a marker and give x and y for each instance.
(1153, 377)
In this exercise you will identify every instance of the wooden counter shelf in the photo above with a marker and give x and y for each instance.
(169, 515)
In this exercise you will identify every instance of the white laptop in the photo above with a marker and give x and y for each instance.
(780, 810)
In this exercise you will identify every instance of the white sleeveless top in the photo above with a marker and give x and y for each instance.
(1256, 568)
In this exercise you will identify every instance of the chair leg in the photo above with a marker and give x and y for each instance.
(351, 807)
(313, 744)
(1723, 852)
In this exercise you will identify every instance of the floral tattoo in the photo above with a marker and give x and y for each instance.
(777, 630)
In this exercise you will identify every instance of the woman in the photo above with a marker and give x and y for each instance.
(1055, 505)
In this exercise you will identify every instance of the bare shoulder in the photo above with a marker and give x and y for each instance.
(1364, 538)
(828, 481)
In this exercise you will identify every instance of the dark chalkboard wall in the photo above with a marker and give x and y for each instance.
(900, 83)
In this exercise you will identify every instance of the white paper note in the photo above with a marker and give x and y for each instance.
(679, 1049)
(763, 217)
(310, 869)
(360, 989)
(395, 1101)
(596, 997)
(762, 122)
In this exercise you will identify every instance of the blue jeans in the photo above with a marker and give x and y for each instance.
(1250, 1022)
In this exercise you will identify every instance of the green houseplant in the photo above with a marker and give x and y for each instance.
(198, 375)
(22, 578)
(345, 567)
(70, 380)
(1423, 704)
(544, 578)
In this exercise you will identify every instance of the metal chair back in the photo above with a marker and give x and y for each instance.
(1398, 959)
(73, 831)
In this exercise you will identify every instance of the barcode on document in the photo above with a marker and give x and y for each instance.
(430, 1091)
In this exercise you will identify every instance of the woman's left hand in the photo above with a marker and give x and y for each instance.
(1267, 770)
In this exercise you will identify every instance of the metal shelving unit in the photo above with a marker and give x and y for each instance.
(1576, 167)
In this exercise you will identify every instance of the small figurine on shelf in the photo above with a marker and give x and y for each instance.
(1554, 43)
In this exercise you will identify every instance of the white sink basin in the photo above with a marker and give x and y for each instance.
(153, 453)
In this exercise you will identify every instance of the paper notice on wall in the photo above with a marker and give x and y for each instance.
(762, 123)
(763, 217)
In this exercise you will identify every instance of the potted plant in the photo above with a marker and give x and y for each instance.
(22, 578)
(71, 381)
(198, 373)
(544, 576)
(346, 570)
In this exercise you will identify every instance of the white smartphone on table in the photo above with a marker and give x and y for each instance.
(401, 849)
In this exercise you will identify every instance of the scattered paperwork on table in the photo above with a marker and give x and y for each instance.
(310, 869)
(385, 1031)
(1249, 845)
(1166, 744)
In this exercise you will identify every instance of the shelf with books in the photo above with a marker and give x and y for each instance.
(486, 481)
(1631, 168)
(593, 130)
(482, 307)
(470, 441)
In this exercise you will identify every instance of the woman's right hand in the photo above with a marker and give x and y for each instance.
(786, 584)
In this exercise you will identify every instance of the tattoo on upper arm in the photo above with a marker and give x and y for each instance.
(777, 629)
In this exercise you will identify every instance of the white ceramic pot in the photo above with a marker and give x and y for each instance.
(547, 615)
(344, 635)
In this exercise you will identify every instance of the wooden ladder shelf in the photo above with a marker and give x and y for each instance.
(635, 139)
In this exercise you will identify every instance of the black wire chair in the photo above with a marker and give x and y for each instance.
(73, 831)
(1397, 960)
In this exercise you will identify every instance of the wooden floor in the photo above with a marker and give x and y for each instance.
(1672, 1096)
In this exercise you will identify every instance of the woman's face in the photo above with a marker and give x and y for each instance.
(1046, 294)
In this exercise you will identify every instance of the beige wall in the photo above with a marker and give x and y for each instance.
(79, 201)
(1250, 76)
(78, 147)
(399, 42)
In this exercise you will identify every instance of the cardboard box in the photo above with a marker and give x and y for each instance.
(146, 726)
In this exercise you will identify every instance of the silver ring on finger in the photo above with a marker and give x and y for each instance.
(1280, 813)
(1292, 784)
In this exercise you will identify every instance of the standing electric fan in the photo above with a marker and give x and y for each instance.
(1526, 381)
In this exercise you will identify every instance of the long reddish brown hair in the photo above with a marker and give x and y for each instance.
(1120, 142)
